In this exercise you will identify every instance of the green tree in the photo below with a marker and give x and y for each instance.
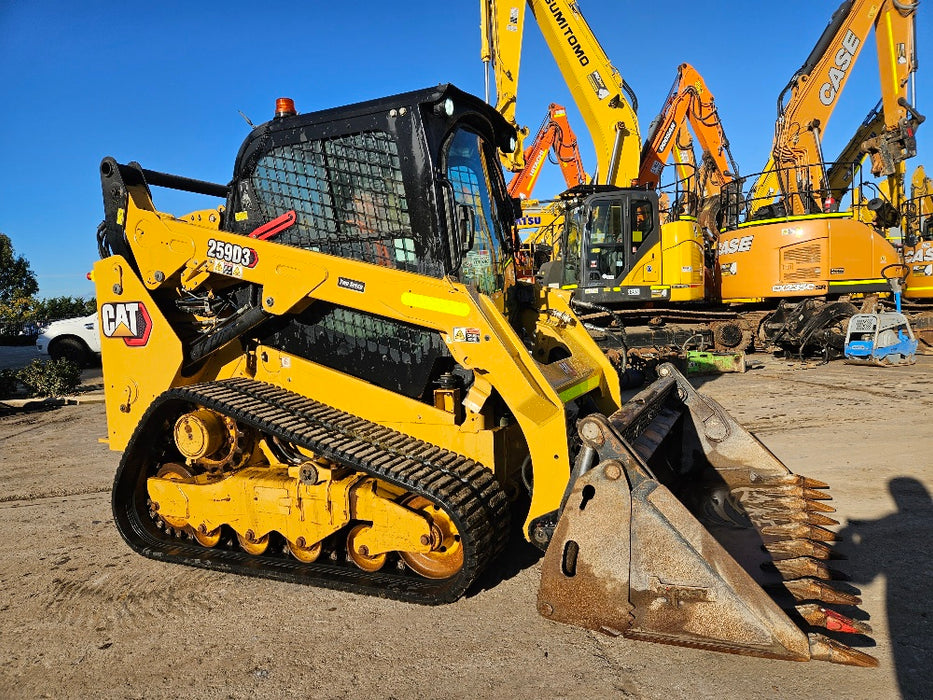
(54, 308)
(17, 285)
(17, 280)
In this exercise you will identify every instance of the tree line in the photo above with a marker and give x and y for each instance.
(21, 312)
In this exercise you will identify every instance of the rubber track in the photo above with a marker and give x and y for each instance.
(465, 489)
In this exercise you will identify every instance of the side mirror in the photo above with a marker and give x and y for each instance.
(926, 232)
(910, 239)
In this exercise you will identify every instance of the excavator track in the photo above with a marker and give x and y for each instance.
(464, 489)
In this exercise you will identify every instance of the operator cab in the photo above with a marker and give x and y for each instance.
(607, 230)
(441, 209)
(410, 182)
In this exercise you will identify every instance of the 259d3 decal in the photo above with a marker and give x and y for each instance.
(230, 258)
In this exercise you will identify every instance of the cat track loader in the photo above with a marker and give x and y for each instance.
(332, 377)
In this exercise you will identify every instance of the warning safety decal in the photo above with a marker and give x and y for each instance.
(466, 335)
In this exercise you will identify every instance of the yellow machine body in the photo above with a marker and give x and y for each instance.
(335, 379)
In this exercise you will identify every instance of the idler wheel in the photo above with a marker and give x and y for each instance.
(446, 557)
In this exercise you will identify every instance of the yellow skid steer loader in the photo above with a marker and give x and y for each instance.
(332, 377)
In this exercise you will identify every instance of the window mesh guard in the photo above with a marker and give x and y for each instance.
(349, 199)
(348, 195)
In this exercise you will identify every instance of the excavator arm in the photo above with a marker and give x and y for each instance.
(810, 97)
(605, 100)
(501, 28)
(555, 133)
(842, 172)
(689, 100)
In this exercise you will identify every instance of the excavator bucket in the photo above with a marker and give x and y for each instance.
(682, 528)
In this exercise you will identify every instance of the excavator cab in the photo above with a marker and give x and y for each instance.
(607, 233)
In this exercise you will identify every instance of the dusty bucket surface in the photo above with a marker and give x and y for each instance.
(682, 528)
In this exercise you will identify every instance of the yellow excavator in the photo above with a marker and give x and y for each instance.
(791, 290)
(607, 243)
(826, 258)
(330, 375)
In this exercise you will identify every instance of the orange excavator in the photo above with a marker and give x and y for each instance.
(690, 102)
(793, 180)
(555, 134)
(784, 239)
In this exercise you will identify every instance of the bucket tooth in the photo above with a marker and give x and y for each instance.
(801, 517)
(791, 479)
(825, 649)
(797, 492)
(818, 616)
(789, 549)
(793, 531)
(802, 567)
(769, 503)
(809, 483)
(813, 589)
(812, 506)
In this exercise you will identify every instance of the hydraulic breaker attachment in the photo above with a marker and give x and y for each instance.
(682, 528)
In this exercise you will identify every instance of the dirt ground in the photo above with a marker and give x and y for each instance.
(81, 615)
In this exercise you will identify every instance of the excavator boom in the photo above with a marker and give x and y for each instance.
(555, 133)
(689, 101)
(810, 97)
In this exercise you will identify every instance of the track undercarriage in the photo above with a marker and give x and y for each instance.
(806, 328)
(242, 476)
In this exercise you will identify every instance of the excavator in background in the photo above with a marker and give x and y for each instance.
(790, 291)
(554, 134)
(784, 240)
(793, 181)
(690, 101)
(330, 375)
(918, 258)
(607, 243)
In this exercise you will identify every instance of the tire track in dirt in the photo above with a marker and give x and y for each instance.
(863, 389)
(121, 592)
(19, 500)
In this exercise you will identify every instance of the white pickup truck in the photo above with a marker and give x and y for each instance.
(76, 339)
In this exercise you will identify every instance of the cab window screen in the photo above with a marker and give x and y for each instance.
(468, 172)
(349, 198)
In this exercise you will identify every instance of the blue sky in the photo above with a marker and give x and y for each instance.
(162, 83)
